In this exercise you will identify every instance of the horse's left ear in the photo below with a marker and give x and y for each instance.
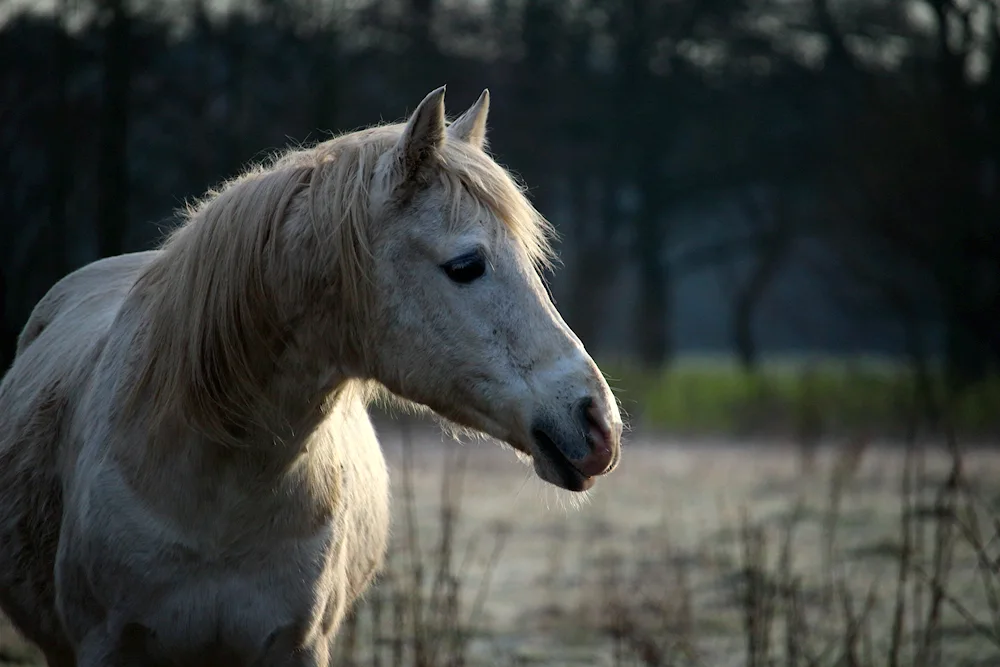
(423, 134)
(470, 127)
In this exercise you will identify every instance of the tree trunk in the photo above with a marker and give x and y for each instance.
(422, 60)
(112, 174)
(655, 299)
(8, 332)
(421, 21)
(54, 243)
(654, 345)
(772, 253)
(326, 97)
(597, 263)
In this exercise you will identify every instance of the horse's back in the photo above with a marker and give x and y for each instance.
(56, 352)
(63, 339)
(86, 297)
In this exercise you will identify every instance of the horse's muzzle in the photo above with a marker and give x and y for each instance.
(572, 456)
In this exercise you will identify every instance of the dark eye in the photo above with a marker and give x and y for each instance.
(466, 268)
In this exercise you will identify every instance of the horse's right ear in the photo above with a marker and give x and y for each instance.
(423, 135)
(470, 127)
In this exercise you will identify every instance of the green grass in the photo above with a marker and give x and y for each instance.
(714, 396)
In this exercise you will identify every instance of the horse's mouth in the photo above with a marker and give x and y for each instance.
(568, 477)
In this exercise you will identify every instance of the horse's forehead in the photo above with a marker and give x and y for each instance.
(440, 206)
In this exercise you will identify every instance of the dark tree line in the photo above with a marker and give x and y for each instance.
(853, 146)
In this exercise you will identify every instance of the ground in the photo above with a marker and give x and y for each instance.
(655, 555)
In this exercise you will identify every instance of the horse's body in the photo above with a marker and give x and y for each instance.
(188, 473)
(67, 338)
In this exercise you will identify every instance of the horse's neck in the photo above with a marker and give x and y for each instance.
(305, 386)
(217, 493)
(297, 456)
(307, 413)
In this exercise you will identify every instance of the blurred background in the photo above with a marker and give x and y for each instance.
(752, 184)
(779, 220)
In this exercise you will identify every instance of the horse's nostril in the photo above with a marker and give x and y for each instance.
(598, 433)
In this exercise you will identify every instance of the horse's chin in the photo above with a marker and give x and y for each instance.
(553, 467)
(548, 461)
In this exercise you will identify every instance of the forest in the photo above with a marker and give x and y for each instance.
(805, 190)
(736, 177)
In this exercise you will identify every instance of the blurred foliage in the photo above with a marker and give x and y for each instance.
(772, 174)
(801, 400)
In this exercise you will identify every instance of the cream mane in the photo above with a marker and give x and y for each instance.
(213, 331)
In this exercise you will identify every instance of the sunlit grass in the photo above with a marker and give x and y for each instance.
(715, 396)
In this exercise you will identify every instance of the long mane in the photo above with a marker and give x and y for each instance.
(211, 298)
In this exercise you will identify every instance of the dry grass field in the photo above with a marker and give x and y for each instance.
(692, 553)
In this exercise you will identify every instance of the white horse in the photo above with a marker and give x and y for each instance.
(188, 473)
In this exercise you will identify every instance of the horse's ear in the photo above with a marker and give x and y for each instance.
(470, 127)
(423, 134)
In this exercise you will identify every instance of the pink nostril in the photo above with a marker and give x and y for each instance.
(599, 436)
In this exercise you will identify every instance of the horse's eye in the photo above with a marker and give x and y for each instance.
(466, 268)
